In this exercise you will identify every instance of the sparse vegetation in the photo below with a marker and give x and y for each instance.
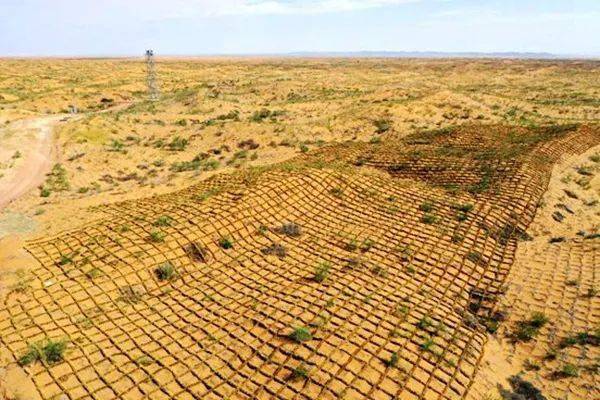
(226, 243)
(301, 334)
(157, 236)
(48, 352)
(322, 272)
(528, 329)
(165, 272)
(290, 229)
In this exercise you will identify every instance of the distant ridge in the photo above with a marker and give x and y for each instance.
(437, 54)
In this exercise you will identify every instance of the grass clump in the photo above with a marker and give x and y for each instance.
(165, 272)
(300, 372)
(226, 243)
(569, 371)
(290, 229)
(47, 352)
(276, 250)
(393, 361)
(263, 114)
(322, 272)
(528, 329)
(426, 206)
(157, 236)
(425, 322)
(178, 144)
(56, 181)
(300, 334)
(163, 220)
(582, 339)
(382, 125)
(429, 219)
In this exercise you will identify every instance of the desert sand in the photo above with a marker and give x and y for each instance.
(336, 228)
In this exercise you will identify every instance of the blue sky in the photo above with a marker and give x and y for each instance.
(127, 27)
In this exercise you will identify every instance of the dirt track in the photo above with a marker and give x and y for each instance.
(37, 159)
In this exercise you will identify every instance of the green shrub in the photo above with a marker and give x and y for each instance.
(322, 272)
(569, 370)
(163, 220)
(157, 236)
(393, 361)
(300, 372)
(382, 125)
(429, 219)
(528, 329)
(48, 352)
(178, 144)
(300, 334)
(165, 272)
(426, 206)
(44, 192)
(225, 243)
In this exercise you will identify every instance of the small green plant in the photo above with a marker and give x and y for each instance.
(393, 361)
(225, 243)
(322, 272)
(426, 345)
(474, 256)
(382, 125)
(94, 273)
(144, 361)
(528, 329)
(157, 236)
(426, 206)
(300, 372)
(352, 245)
(163, 220)
(336, 191)
(165, 272)
(44, 192)
(569, 370)
(178, 144)
(116, 146)
(304, 148)
(582, 339)
(48, 352)
(464, 207)
(425, 322)
(64, 260)
(429, 219)
(300, 334)
(366, 245)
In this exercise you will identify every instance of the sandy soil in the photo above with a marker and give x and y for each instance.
(555, 279)
(128, 153)
(33, 139)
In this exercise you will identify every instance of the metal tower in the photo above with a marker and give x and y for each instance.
(153, 92)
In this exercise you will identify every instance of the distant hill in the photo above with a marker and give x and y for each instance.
(436, 54)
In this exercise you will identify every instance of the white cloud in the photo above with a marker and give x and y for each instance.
(212, 8)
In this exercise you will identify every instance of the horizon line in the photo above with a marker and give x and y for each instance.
(532, 55)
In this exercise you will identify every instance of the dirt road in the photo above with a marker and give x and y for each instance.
(36, 150)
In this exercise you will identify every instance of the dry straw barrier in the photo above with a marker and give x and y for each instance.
(363, 270)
